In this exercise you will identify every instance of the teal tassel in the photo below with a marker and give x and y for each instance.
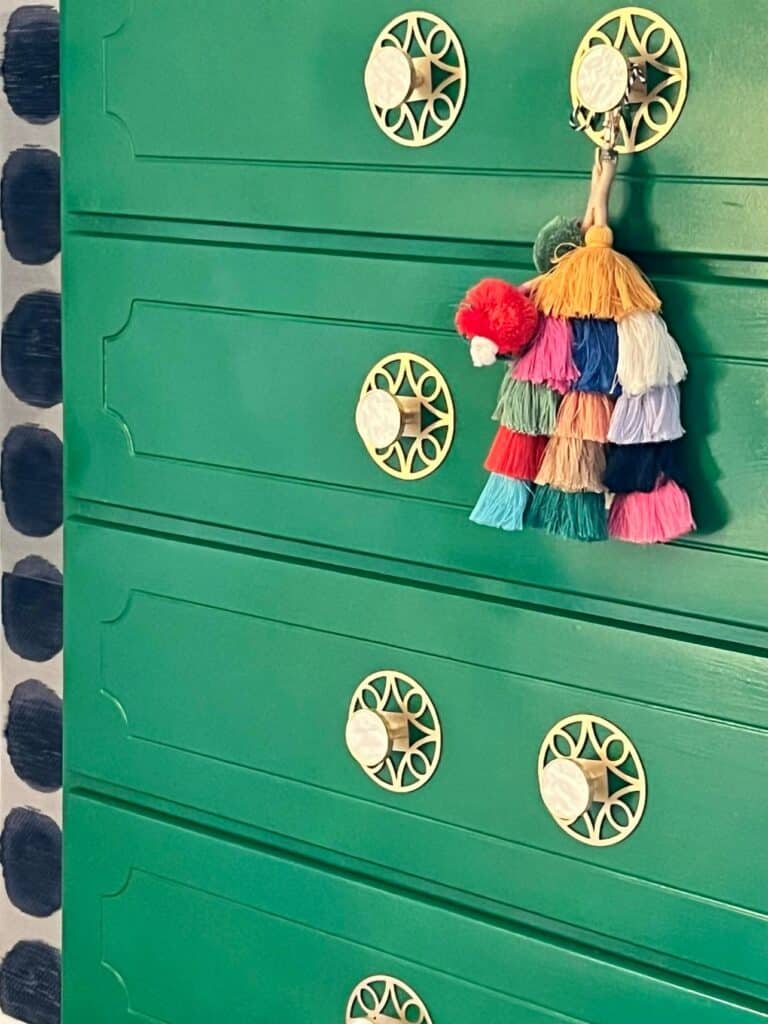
(579, 515)
(556, 238)
(526, 408)
(502, 503)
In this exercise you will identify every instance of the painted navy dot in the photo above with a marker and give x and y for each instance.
(30, 480)
(30, 983)
(32, 609)
(31, 63)
(33, 735)
(31, 349)
(29, 204)
(30, 855)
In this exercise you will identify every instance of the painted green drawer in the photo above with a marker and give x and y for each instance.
(174, 925)
(222, 681)
(218, 384)
(257, 114)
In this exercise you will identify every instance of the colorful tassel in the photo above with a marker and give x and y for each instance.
(649, 357)
(549, 360)
(573, 465)
(556, 238)
(499, 313)
(655, 518)
(594, 281)
(576, 516)
(651, 417)
(525, 407)
(584, 415)
(641, 467)
(596, 354)
(502, 503)
(515, 454)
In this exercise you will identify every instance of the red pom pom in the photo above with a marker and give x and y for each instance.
(517, 455)
(497, 310)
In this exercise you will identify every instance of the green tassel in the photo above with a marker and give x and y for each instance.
(554, 240)
(525, 407)
(577, 516)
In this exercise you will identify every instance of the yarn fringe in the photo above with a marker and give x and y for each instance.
(596, 354)
(525, 407)
(584, 415)
(655, 518)
(502, 503)
(649, 357)
(549, 360)
(642, 467)
(515, 454)
(573, 465)
(594, 281)
(648, 418)
(578, 516)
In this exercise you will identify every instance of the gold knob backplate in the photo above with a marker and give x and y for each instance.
(393, 731)
(416, 93)
(650, 44)
(405, 416)
(382, 999)
(592, 780)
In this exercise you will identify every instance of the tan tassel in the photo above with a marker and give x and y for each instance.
(584, 415)
(573, 465)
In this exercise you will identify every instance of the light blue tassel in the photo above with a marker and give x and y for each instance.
(502, 503)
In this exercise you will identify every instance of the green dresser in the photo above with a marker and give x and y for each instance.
(317, 721)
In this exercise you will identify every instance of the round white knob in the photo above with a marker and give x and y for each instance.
(368, 738)
(389, 77)
(566, 789)
(379, 418)
(602, 78)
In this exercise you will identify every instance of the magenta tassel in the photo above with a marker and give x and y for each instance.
(549, 360)
(653, 518)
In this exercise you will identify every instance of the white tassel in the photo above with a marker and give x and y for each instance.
(649, 357)
(647, 418)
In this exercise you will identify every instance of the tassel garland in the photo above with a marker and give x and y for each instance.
(590, 406)
(648, 418)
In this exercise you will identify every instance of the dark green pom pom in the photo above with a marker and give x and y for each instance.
(555, 239)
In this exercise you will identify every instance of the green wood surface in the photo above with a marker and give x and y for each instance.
(259, 116)
(175, 925)
(221, 681)
(219, 384)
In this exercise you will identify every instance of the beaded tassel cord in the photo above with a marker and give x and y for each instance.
(589, 407)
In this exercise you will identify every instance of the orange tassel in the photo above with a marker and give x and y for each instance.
(584, 415)
(573, 465)
(594, 281)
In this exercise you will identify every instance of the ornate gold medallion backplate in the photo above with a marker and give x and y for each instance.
(382, 999)
(650, 44)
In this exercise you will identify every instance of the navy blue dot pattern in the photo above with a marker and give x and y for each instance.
(30, 515)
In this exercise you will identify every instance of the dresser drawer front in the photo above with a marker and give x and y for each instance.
(219, 384)
(170, 924)
(259, 115)
(223, 682)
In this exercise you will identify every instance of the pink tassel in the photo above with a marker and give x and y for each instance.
(654, 518)
(549, 360)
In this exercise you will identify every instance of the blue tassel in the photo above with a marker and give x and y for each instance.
(642, 467)
(502, 503)
(596, 354)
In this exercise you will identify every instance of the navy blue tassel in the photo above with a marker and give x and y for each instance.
(596, 354)
(640, 467)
